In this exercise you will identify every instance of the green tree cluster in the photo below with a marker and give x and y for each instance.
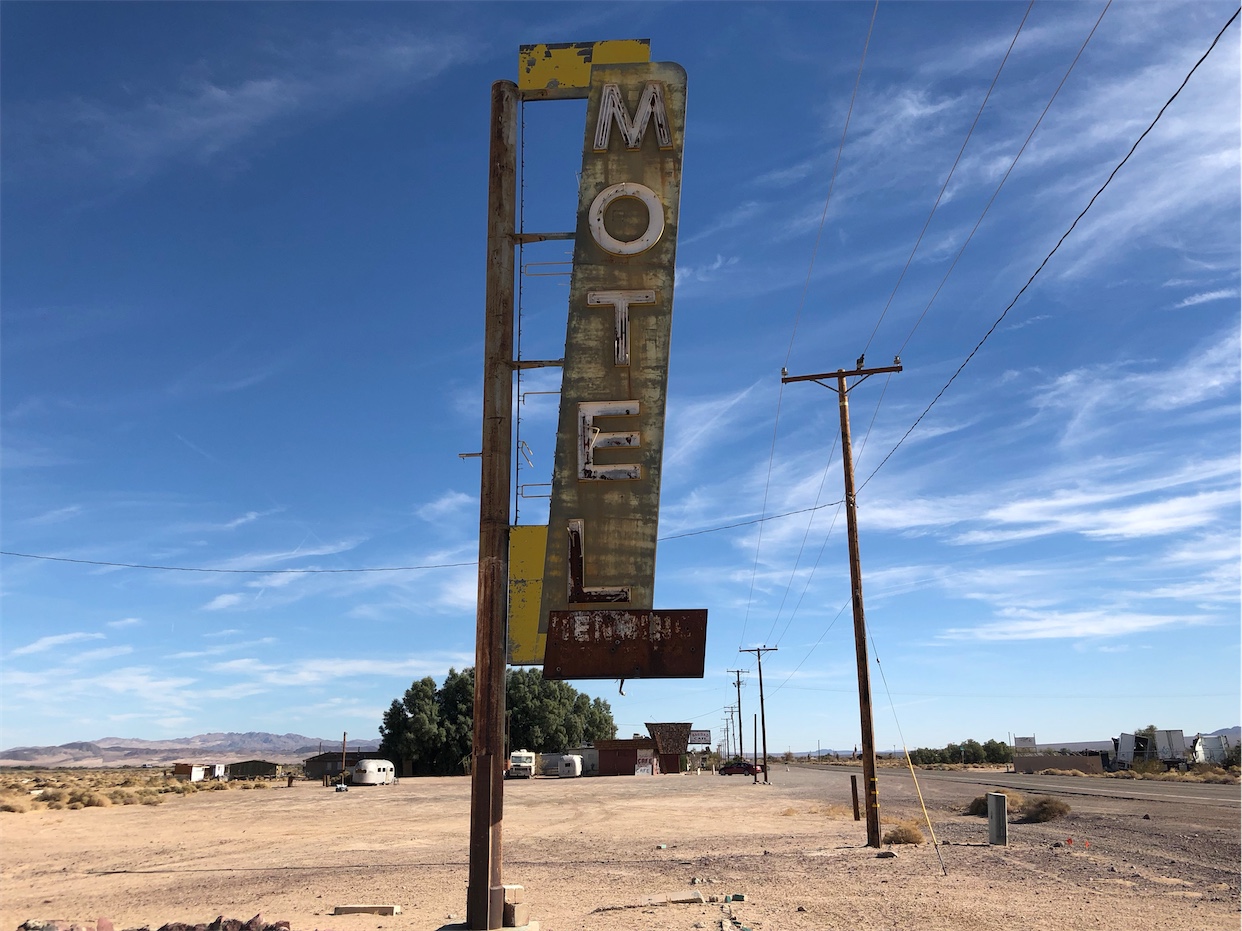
(433, 727)
(968, 751)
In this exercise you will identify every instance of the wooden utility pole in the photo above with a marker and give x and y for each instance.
(485, 889)
(763, 718)
(860, 623)
(740, 726)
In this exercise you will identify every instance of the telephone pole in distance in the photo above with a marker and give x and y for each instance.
(842, 390)
(738, 673)
(763, 720)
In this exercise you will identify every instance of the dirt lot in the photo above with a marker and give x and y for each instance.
(579, 846)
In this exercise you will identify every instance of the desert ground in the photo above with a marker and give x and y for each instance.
(591, 851)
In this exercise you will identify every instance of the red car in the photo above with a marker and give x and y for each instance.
(740, 768)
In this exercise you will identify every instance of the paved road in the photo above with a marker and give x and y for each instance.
(957, 787)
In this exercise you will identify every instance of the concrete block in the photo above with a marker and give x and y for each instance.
(516, 915)
(687, 898)
(367, 910)
(514, 894)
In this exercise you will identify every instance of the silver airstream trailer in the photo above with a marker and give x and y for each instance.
(374, 773)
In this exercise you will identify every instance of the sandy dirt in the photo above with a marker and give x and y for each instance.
(587, 850)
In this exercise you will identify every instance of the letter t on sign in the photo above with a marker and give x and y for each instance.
(621, 300)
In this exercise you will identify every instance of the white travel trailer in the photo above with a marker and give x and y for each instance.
(374, 773)
(570, 766)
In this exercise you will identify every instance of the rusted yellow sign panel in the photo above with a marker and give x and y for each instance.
(603, 515)
(527, 546)
(556, 70)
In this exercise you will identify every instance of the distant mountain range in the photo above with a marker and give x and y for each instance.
(204, 748)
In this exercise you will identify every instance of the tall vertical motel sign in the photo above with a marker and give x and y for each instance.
(596, 617)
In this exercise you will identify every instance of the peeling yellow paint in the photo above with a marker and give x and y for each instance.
(527, 545)
(563, 69)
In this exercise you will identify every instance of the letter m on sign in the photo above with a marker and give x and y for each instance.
(650, 110)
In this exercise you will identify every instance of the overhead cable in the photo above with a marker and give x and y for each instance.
(949, 176)
(798, 316)
(1064, 236)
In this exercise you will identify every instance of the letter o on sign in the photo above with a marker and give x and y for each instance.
(655, 218)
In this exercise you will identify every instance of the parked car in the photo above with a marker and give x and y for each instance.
(740, 768)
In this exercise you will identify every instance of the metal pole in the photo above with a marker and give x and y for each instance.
(870, 787)
(485, 891)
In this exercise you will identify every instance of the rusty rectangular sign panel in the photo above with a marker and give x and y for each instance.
(610, 643)
(604, 511)
(700, 737)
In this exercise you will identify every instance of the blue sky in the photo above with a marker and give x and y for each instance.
(242, 329)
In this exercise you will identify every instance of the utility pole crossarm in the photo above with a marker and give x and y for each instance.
(841, 374)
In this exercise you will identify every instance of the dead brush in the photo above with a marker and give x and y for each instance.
(15, 802)
(1044, 808)
(979, 806)
(904, 832)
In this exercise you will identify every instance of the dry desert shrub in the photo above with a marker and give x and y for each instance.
(1044, 808)
(14, 802)
(835, 811)
(1062, 772)
(1013, 802)
(790, 812)
(87, 798)
(904, 832)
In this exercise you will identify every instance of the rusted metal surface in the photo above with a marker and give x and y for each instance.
(610, 431)
(670, 737)
(625, 644)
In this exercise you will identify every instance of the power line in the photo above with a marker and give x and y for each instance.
(1005, 177)
(126, 565)
(747, 523)
(918, 241)
(1053, 252)
(444, 565)
(798, 316)
(948, 178)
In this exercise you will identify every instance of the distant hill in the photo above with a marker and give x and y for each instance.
(203, 748)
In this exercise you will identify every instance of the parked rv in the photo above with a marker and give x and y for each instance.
(570, 766)
(374, 773)
(521, 765)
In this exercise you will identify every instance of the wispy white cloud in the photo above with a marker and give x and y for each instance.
(125, 622)
(224, 602)
(317, 671)
(207, 115)
(449, 504)
(221, 649)
(97, 656)
(1032, 625)
(57, 516)
(43, 644)
(1204, 297)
